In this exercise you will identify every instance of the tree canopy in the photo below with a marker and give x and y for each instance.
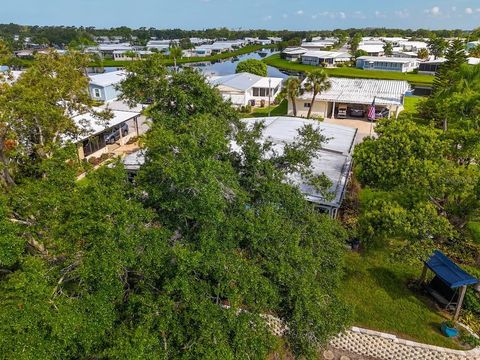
(184, 263)
(252, 66)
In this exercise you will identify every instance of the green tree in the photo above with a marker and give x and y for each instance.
(175, 54)
(423, 54)
(388, 49)
(359, 53)
(291, 90)
(317, 82)
(252, 66)
(437, 46)
(37, 110)
(185, 44)
(205, 194)
(415, 166)
(354, 42)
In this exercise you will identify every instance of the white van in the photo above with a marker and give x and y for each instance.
(342, 111)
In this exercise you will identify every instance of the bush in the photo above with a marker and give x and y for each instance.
(252, 66)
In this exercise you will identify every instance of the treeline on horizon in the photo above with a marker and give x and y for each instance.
(64, 35)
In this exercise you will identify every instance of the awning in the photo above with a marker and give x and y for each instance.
(448, 271)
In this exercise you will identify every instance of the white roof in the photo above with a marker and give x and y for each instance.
(333, 160)
(386, 59)
(473, 61)
(122, 106)
(294, 51)
(327, 54)
(92, 125)
(244, 81)
(371, 48)
(108, 78)
(363, 91)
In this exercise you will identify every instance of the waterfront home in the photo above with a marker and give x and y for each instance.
(293, 53)
(430, 67)
(159, 45)
(355, 96)
(123, 55)
(104, 87)
(325, 58)
(247, 89)
(387, 63)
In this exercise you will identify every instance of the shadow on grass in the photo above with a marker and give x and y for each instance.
(387, 279)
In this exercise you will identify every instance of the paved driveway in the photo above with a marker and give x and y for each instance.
(365, 127)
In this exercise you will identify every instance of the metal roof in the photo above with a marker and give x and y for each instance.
(334, 159)
(448, 271)
(327, 54)
(244, 81)
(108, 78)
(363, 91)
(92, 125)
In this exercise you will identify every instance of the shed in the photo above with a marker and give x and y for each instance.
(450, 274)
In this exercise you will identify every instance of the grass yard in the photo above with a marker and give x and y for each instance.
(376, 289)
(411, 103)
(416, 79)
(275, 110)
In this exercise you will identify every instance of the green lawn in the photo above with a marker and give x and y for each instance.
(415, 79)
(376, 289)
(411, 103)
(275, 110)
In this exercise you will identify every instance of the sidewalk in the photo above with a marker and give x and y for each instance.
(382, 346)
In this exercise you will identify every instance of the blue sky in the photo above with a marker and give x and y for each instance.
(270, 14)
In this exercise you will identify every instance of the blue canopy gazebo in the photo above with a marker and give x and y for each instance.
(448, 275)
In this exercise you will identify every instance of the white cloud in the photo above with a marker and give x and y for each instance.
(359, 15)
(403, 14)
(379, 14)
(284, 16)
(454, 8)
(468, 11)
(314, 16)
(435, 10)
(342, 15)
(267, 18)
(300, 12)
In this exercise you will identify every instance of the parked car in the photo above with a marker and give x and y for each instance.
(342, 111)
(381, 114)
(114, 136)
(357, 112)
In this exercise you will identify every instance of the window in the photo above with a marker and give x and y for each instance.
(96, 93)
(255, 91)
(262, 92)
(306, 105)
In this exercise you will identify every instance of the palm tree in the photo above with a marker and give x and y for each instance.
(423, 53)
(175, 53)
(317, 82)
(290, 91)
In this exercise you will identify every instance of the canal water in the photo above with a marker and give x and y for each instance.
(220, 67)
(228, 66)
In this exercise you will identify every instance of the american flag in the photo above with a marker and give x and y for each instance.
(371, 111)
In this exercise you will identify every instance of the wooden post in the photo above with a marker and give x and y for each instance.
(463, 290)
(424, 275)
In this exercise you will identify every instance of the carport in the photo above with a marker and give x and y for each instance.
(388, 94)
